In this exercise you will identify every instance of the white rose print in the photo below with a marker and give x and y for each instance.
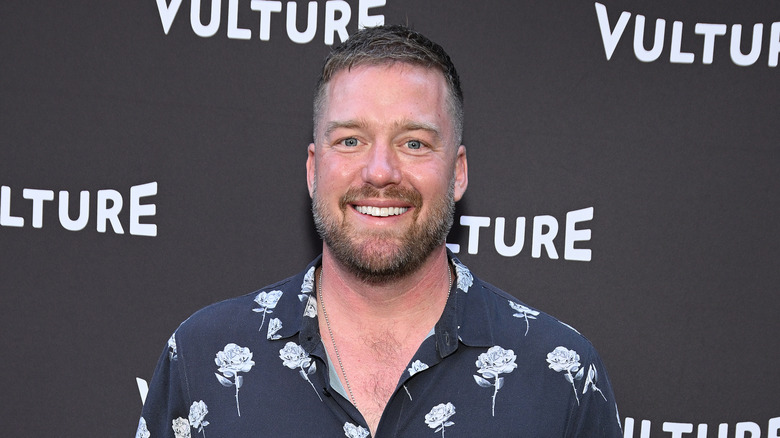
(267, 302)
(294, 356)
(142, 431)
(308, 281)
(416, 367)
(354, 431)
(491, 364)
(439, 417)
(523, 312)
(231, 361)
(172, 347)
(181, 428)
(562, 359)
(274, 325)
(308, 284)
(590, 381)
(198, 411)
(465, 279)
(311, 307)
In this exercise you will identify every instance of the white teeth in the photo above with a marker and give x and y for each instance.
(381, 212)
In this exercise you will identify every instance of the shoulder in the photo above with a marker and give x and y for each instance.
(515, 323)
(223, 313)
(240, 319)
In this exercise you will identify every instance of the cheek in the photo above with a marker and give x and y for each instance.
(345, 169)
(432, 183)
(333, 175)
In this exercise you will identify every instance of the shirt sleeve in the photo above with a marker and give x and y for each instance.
(166, 401)
(597, 415)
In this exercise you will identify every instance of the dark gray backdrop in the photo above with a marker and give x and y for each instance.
(678, 161)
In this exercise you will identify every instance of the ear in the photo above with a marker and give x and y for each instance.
(311, 170)
(461, 173)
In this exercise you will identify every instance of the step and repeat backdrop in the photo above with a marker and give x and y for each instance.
(624, 178)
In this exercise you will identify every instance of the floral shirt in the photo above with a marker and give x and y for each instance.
(255, 366)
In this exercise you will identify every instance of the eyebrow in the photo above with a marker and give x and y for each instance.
(411, 125)
(346, 124)
(403, 125)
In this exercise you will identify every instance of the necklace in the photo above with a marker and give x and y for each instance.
(333, 340)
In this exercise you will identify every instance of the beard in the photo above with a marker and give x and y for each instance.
(385, 255)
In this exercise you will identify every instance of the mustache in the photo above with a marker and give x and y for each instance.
(406, 195)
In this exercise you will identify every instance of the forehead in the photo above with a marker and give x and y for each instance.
(392, 68)
(387, 93)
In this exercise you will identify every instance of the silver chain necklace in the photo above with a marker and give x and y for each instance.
(333, 340)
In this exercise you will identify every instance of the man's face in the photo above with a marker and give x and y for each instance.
(385, 172)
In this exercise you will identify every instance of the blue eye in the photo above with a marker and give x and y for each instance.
(351, 142)
(413, 144)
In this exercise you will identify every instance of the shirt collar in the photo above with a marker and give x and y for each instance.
(466, 317)
(297, 308)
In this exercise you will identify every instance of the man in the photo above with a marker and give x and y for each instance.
(387, 334)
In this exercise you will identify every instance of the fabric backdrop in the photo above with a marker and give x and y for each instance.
(623, 165)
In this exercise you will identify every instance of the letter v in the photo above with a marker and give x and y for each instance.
(168, 13)
(143, 387)
(610, 37)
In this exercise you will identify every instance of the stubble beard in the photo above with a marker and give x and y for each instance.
(384, 256)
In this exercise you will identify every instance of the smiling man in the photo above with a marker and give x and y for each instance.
(386, 334)
(385, 170)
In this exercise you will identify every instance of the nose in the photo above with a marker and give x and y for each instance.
(382, 166)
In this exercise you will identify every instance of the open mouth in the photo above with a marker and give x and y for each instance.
(390, 201)
(380, 211)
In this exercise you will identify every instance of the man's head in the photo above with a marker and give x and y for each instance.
(386, 167)
(386, 45)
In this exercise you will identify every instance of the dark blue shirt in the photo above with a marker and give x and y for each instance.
(255, 366)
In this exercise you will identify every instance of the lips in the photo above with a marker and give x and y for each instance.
(390, 201)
